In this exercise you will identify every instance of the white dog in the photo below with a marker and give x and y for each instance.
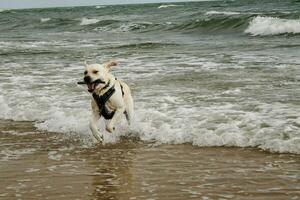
(111, 97)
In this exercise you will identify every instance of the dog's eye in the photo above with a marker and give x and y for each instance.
(95, 71)
(85, 72)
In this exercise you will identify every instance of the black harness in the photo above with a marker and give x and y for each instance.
(102, 99)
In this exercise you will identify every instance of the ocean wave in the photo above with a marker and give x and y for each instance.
(144, 45)
(213, 24)
(139, 26)
(216, 125)
(168, 6)
(98, 7)
(61, 22)
(213, 12)
(169, 119)
(87, 21)
(273, 26)
(200, 22)
(3, 10)
(45, 19)
(221, 126)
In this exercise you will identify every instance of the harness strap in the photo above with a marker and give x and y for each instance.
(106, 85)
(121, 88)
(102, 99)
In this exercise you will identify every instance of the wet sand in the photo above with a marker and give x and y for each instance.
(36, 165)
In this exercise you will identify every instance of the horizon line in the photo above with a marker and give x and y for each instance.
(113, 4)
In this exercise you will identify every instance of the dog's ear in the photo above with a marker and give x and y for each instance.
(110, 64)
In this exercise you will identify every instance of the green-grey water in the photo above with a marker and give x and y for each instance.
(212, 73)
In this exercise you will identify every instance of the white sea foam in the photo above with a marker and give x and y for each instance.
(31, 170)
(2, 10)
(53, 155)
(168, 6)
(98, 7)
(213, 12)
(45, 19)
(273, 26)
(223, 125)
(7, 154)
(168, 119)
(129, 26)
(87, 21)
(5, 109)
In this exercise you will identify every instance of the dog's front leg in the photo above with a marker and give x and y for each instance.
(110, 126)
(93, 126)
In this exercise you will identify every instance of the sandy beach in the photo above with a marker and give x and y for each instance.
(36, 165)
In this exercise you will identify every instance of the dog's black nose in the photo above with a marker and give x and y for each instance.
(87, 79)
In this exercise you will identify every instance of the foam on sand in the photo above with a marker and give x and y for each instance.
(273, 26)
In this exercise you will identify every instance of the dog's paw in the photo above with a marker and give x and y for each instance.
(99, 138)
(110, 128)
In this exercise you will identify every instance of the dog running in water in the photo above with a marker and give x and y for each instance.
(111, 97)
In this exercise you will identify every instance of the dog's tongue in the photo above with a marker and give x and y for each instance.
(91, 87)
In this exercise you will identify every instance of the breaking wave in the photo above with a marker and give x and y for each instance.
(208, 126)
(168, 6)
(213, 12)
(87, 21)
(45, 19)
(222, 23)
(211, 21)
(169, 119)
(273, 26)
(144, 45)
(98, 7)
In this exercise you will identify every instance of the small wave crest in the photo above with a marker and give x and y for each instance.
(45, 19)
(2, 10)
(98, 7)
(145, 45)
(273, 26)
(212, 24)
(167, 6)
(213, 12)
(87, 21)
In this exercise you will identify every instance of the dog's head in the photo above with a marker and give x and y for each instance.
(96, 76)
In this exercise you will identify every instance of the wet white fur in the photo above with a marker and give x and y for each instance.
(116, 102)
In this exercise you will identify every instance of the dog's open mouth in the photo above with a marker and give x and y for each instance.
(92, 86)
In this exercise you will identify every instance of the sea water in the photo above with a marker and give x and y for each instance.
(209, 73)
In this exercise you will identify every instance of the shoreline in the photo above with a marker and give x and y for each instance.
(36, 165)
(20, 128)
